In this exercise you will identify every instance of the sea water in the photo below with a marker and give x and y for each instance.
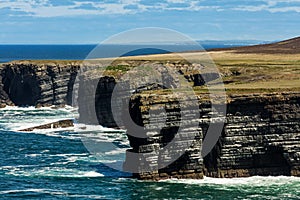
(55, 164)
(81, 52)
(59, 163)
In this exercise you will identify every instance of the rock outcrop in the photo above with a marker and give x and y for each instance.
(24, 83)
(170, 144)
(59, 124)
(261, 135)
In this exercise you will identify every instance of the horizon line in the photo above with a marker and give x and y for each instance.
(167, 43)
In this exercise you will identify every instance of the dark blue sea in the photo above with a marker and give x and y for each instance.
(81, 52)
(55, 163)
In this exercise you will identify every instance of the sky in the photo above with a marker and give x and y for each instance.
(92, 21)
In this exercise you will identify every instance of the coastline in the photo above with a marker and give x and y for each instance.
(272, 93)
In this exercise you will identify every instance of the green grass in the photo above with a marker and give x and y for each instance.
(121, 68)
(241, 73)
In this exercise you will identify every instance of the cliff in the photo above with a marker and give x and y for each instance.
(261, 134)
(45, 84)
(260, 137)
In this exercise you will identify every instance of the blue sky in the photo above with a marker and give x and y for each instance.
(91, 21)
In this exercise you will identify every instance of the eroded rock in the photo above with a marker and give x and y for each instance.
(59, 124)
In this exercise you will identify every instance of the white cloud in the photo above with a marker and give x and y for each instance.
(272, 6)
(44, 8)
(285, 9)
(176, 1)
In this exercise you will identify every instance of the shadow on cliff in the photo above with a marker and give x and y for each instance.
(22, 88)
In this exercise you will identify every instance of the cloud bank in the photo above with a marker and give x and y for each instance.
(58, 8)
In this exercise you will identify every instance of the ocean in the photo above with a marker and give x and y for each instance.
(55, 164)
(80, 52)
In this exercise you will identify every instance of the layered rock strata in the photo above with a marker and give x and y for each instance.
(170, 144)
(261, 135)
(24, 84)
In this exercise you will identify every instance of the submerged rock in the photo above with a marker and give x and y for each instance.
(59, 124)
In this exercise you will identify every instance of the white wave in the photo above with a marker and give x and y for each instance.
(15, 108)
(81, 128)
(253, 181)
(68, 154)
(32, 155)
(56, 133)
(14, 168)
(31, 108)
(116, 152)
(53, 172)
(18, 118)
(92, 174)
(21, 191)
(43, 191)
(79, 196)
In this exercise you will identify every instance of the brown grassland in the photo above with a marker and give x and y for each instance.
(261, 68)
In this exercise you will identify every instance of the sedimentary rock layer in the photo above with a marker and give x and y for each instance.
(261, 134)
(261, 137)
(43, 84)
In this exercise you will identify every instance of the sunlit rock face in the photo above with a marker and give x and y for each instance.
(261, 134)
(261, 137)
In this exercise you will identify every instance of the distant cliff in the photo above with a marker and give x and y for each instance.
(261, 135)
(24, 83)
(290, 46)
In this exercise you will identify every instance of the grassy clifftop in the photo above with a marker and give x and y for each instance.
(261, 68)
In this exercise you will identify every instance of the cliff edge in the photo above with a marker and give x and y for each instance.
(260, 136)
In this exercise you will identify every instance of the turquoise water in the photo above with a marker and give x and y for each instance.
(54, 164)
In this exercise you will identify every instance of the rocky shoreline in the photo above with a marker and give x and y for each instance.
(261, 134)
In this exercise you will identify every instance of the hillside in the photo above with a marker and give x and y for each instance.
(291, 46)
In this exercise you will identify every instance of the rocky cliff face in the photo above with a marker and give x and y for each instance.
(24, 83)
(261, 135)
(170, 145)
(4, 98)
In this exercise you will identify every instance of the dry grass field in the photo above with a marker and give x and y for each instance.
(261, 68)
